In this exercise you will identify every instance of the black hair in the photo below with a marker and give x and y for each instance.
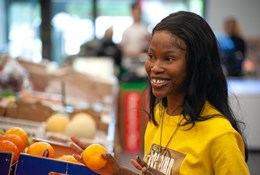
(134, 4)
(205, 79)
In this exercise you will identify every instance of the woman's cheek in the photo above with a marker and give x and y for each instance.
(147, 67)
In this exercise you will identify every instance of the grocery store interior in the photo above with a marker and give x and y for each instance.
(63, 58)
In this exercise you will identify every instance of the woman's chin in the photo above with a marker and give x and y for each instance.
(158, 94)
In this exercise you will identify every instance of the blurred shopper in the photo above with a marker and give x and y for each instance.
(191, 129)
(109, 48)
(233, 60)
(135, 39)
(89, 48)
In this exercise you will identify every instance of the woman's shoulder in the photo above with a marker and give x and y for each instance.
(216, 122)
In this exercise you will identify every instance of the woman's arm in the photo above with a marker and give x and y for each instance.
(111, 168)
(227, 152)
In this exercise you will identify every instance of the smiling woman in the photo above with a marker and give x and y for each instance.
(189, 103)
(191, 127)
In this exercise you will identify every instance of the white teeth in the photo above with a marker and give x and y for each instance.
(156, 81)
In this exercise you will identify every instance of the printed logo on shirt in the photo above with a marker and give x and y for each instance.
(165, 160)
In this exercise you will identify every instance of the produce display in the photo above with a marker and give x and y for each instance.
(57, 122)
(38, 119)
(15, 141)
(8, 146)
(91, 156)
(82, 125)
(42, 149)
(19, 132)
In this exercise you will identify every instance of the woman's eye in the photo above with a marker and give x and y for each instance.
(169, 59)
(150, 57)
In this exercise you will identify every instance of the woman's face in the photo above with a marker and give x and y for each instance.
(166, 65)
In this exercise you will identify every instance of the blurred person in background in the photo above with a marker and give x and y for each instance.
(135, 39)
(233, 60)
(108, 47)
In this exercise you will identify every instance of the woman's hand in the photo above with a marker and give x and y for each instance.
(144, 168)
(78, 147)
(111, 168)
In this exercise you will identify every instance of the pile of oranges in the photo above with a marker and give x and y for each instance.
(15, 140)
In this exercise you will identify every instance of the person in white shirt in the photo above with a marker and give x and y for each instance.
(135, 39)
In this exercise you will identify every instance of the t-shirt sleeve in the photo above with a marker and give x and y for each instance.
(228, 155)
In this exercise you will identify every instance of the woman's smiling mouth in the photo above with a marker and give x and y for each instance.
(158, 82)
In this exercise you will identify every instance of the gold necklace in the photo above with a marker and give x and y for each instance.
(162, 152)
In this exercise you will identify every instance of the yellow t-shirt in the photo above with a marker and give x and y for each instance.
(211, 147)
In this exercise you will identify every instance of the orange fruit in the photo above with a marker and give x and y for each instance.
(68, 158)
(92, 157)
(20, 132)
(42, 149)
(15, 139)
(8, 146)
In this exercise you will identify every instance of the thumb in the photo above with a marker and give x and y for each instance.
(108, 157)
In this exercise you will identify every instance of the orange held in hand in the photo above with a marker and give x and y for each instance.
(92, 157)
(42, 149)
(19, 132)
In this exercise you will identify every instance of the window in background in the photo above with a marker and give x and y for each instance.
(24, 23)
(72, 26)
(3, 28)
(117, 14)
(73, 23)
(155, 10)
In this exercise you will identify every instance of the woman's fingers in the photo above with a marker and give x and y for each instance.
(112, 166)
(78, 142)
(75, 148)
(109, 158)
(136, 164)
(140, 161)
(150, 171)
(78, 157)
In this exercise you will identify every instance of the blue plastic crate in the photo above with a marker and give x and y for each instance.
(6, 163)
(32, 165)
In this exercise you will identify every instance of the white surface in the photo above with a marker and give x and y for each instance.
(98, 67)
(245, 102)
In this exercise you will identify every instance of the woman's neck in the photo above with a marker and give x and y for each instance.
(174, 105)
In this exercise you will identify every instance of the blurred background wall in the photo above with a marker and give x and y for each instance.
(247, 13)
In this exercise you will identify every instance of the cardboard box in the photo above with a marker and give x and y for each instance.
(32, 165)
(76, 87)
(72, 84)
(39, 74)
(60, 148)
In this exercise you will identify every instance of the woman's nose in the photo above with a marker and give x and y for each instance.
(157, 67)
